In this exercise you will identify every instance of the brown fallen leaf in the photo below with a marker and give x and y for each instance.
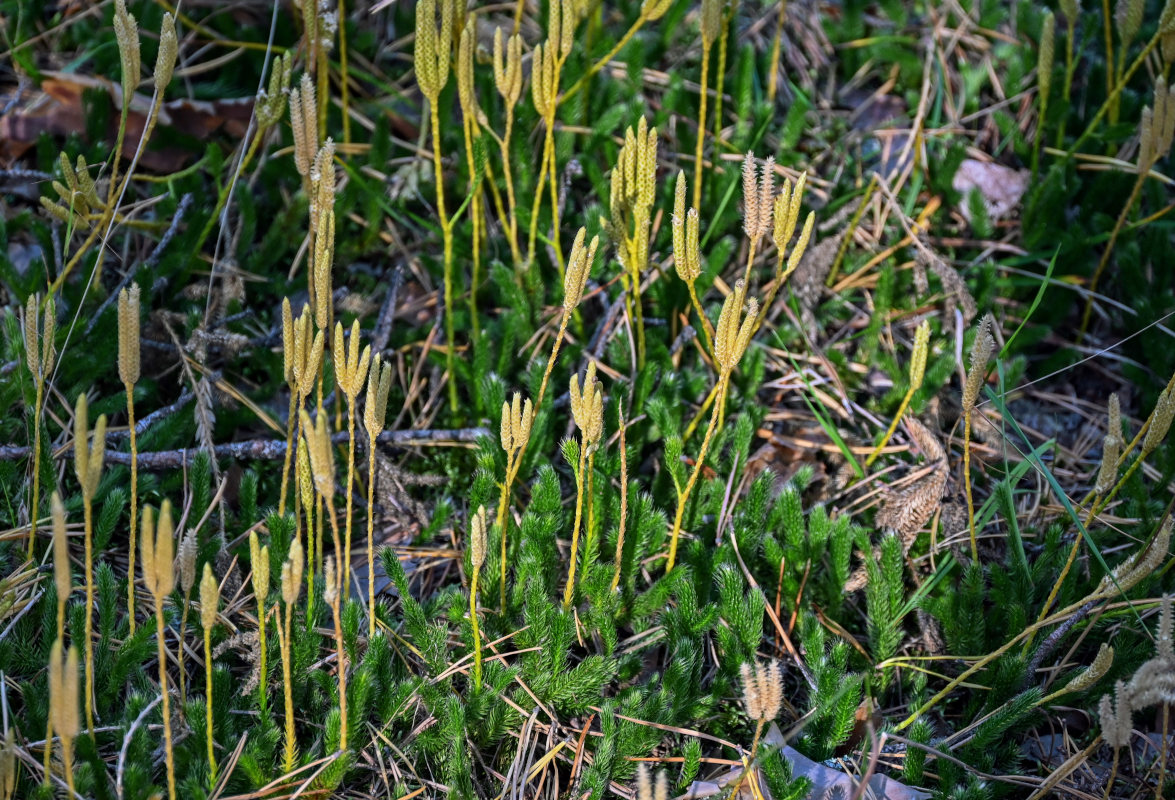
(1000, 187)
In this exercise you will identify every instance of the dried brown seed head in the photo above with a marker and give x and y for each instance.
(762, 690)
(1115, 717)
(209, 598)
(981, 350)
(645, 790)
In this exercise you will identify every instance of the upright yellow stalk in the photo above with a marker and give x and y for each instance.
(288, 350)
(730, 342)
(128, 372)
(209, 606)
(633, 191)
(158, 550)
(471, 128)
(187, 564)
(721, 71)
(687, 258)
(63, 705)
(350, 374)
(477, 542)
(508, 81)
(981, 350)
(375, 409)
(623, 503)
(88, 466)
(40, 354)
(587, 409)
(291, 587)
(331, 595)
(63, 583)
(306, 494)
(711, 23)
(432, 73)
(917, 372)
(259, 561)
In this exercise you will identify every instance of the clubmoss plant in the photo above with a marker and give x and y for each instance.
(687, 259)
(431, 55)
(1044, 81)
(651, 11)
(40, 355)
(720, 71)
(477, 555)
(375, 410)
(587, 409)
(917, 372)
(259, 561)
(128, 373)
(209, 606)
(158, 550)
(785, 216)
(633, 191)
(322, 468)
(517, 419)
(88, 459)
(63, 705)
(350, 374)
(730, 342)
(776, 42)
